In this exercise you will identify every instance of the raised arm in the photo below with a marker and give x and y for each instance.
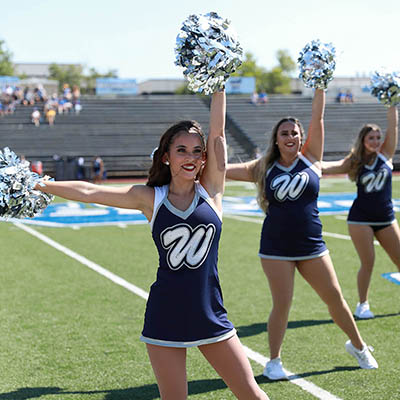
(314, 146)
(213, 176)
(390, 143)
(138, 197)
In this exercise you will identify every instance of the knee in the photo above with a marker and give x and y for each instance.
(367, 266)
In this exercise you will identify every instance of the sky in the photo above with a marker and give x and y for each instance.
(137, 38)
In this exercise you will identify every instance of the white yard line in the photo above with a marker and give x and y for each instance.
(83, 260)
(251, 354)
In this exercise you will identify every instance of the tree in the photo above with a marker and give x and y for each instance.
(6, 65)
(71, 74)
(275, 81)
(285, 61)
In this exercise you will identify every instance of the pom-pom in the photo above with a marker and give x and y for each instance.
(18, 199)
(317, 63)
(386, 87)
(208, 50)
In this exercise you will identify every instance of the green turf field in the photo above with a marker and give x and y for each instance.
(69, 333)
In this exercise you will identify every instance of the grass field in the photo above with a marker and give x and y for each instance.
(67, 332)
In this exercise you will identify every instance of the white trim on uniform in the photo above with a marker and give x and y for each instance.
(371, 223)
(159, 194)
(170, 343)
(204, 194)
(310, 165)
(311, 256)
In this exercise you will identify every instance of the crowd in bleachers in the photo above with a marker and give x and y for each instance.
(45, 108)
(345, 97)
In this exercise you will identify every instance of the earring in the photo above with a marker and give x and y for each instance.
(166, 162)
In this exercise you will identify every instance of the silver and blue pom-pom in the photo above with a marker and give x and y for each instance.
(317, 62)
(18, 199)
(385, 86)
(208, 50)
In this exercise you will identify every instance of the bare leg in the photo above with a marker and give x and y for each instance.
(280, 276)
(169, 366)
(363, 240)
(389, 238)
(320, 274)
(229, 360)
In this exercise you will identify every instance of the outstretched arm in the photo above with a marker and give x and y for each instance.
(213, 176)
(138, 197)
(336, 167)
(314, 146)
(242, 171)
(390, 143)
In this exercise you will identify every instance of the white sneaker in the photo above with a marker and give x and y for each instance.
(363, 311)
(273, 370)
(364, 356)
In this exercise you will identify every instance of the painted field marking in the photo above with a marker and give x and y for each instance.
(309, 387)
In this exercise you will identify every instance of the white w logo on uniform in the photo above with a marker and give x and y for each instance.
(374, 181)
(187, 246)
(289, 186)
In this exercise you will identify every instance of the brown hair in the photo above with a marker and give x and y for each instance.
(357, 154)
(159, 173)
(266, 161)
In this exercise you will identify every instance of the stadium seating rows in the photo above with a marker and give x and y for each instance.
(124, 131)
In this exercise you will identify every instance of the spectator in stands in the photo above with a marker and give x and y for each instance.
(349, 97)
(287, 178)
(37, 167)
(77, 107)
(51, 103)
(369, 164)
(18, 94)
(76, 94)
(183, 201)
(39, 94)
(80, 170)
(28, 99)
(257, 153)
(263, 98)
(341, 97)
(35, 116)
(254, 98)
(51, 116)
(99, 172)
(67, 94)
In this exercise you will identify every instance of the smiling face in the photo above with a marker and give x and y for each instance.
(372, 141)
(289, 138)
(185, 156)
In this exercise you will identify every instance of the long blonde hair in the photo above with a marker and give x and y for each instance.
(265, 162)
(357, 155)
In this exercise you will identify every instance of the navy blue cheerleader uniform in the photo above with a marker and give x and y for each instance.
(373, 205)
(185, 305)
(292, 229)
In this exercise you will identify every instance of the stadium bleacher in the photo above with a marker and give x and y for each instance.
(342, 121)
(124, 131)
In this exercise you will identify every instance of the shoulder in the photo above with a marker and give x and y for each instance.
(313, 164)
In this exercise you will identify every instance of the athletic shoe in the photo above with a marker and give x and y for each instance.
(273, 370)
(364, 356)
(363, 311)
